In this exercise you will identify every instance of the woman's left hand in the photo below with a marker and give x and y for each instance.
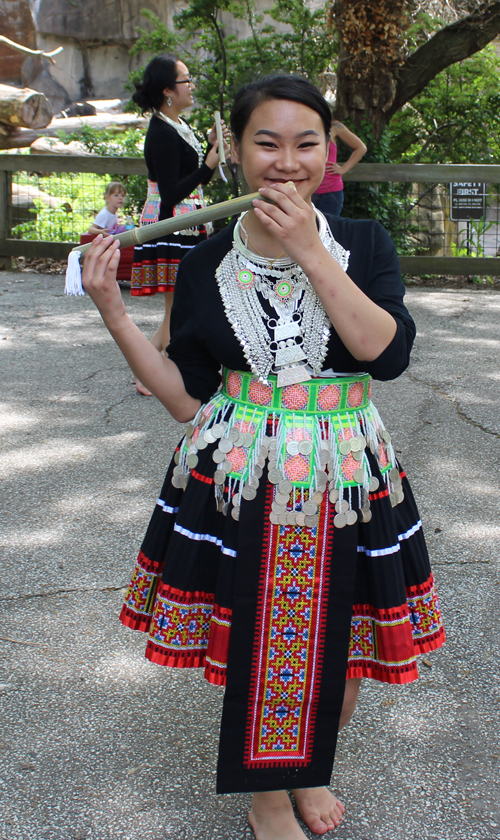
(212, 134)
(291, 220)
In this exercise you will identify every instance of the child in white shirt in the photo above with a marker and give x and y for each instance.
(106, 221)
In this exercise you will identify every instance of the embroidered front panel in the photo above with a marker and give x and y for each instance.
(288, 645)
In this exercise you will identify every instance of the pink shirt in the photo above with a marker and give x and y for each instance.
(331, 183)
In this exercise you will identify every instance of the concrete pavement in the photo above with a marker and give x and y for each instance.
(97, 743)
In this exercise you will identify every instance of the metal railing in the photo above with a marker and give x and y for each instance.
(411, 200)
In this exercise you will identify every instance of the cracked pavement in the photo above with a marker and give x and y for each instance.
(97, 743)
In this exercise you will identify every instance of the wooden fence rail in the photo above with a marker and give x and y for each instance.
(369, 172)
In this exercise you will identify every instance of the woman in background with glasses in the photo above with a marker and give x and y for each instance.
(178, 168)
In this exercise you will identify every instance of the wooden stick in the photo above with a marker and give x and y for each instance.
(220, 138)
(138, 235)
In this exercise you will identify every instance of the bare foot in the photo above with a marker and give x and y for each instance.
(272, 817)
(142, 389)
(319, 808)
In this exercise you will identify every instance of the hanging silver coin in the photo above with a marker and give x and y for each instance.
(218, 457)
(305, 447)
(226, 466)
(292, 447)
(345, 447)
(247, 440)
(218, 430)
(285, 487)
(358, 455)
(236, 500)
(351, 517)
(274, 517)
(359, 476)
(260, 461)
(374, 484)
(310, 508)
(356, 445)
(324, 457)
(340, 520)
(311, 521)
(253, 481)
(333, 496)
(209, 436)
(341, 506)
(291, 518)
(225, 508)
(189, 430)
(235, 513)
(275, 476)
(177, 456)
(317, 497)
(200, 442)
(192, 461)
(394, 475)
(257, 471)
(219, 476)
(300, 519)
(249, 492)
(365, 515)
(282, 498)
(233, 434)
(176, 481)
(282, 519)
(225, 445)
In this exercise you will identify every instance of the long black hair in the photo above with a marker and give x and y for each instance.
(160, 73)
(293, 88)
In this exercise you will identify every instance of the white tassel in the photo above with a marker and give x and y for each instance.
(74, 275)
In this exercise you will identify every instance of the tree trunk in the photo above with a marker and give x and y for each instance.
(23, 107)
(375, 77)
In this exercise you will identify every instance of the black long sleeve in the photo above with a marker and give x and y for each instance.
(173, 164)
(203, 340)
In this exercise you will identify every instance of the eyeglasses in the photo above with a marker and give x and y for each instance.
(189, 81)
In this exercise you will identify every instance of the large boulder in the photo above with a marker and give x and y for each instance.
(92, 20)
(36, 75)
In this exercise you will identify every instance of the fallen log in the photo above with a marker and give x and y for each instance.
(23, 107)
(111, 122)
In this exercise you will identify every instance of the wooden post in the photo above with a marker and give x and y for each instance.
(5, 188)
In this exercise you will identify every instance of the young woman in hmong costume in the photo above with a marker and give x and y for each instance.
(177, 171)
(285, 551)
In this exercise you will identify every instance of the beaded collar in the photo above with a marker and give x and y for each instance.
(293, 341)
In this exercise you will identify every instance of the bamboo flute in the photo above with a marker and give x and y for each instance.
(138, 235)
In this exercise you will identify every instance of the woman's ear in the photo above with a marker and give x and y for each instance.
(235, 150)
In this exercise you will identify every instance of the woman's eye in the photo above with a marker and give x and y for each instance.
(267, 143)
(307, 144)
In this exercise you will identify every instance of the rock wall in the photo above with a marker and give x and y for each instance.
(96, 36)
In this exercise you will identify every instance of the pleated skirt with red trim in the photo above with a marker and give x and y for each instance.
(181, 592)
(155, 264)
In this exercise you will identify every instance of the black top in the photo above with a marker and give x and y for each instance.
(173, 164)
(203, 339)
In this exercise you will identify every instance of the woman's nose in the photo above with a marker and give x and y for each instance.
(287, 160)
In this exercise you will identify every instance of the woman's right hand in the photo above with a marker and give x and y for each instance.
(99, 277)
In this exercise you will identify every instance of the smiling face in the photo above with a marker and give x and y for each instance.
(182, 94)
(283, 141)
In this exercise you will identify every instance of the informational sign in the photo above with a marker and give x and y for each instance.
(467, 200)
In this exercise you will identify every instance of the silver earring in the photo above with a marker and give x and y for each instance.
(169, 101)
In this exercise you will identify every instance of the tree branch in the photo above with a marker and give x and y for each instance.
(451, 44)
